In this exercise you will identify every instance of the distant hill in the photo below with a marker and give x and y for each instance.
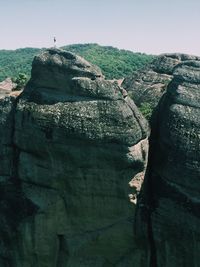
(115, 63)
(13, 62)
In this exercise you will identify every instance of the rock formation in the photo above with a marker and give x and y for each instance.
(149, 84)
(70, 144)
(168, 210)
(6, 87)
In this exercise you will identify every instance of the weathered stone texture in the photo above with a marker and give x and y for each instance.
(170, 203)
(77, 142)
(149, 84)
(73, 147)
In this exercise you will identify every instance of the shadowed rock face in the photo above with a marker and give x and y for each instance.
(72, 144)
(170, 202)
(149, 84)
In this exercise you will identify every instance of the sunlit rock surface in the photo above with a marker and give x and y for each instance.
(149, 84)
(70, 145)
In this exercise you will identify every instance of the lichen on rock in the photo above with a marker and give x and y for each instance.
(147, 86)
(169, 201)
(75, 145)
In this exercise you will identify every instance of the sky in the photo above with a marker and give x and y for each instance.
(147, 26)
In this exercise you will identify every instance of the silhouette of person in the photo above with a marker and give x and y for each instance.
(54, 40)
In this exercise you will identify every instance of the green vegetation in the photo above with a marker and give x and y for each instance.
(13, 62)
(146, 109)
(114, 63)
(20, 80)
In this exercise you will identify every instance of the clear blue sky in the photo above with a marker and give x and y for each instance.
(151, 26)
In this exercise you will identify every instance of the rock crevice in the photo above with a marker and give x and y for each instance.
(74, 149)
(171, 185)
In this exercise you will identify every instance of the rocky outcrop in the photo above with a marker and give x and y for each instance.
(6, 87)
(168, 209)
(70, 144)
(149, 84)
(73, 149)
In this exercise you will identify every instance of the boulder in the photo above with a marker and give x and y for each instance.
(149, 84)
(6, 87)
(168, 209)
(76, 142)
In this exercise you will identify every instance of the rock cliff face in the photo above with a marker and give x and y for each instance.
(70, 144)
(169, 205)
(149, 84)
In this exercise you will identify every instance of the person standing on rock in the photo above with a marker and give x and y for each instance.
(54, 41)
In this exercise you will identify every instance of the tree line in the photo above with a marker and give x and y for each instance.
(114, 63)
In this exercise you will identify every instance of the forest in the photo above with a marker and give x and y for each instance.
(115, 63)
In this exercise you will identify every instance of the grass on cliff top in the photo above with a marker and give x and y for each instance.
(114, 63)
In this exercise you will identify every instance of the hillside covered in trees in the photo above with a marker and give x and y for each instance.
(115, 63)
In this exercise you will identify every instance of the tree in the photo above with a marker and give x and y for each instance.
(20, 80)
